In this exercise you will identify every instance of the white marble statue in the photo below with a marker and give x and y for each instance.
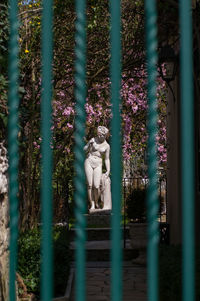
(98, 183)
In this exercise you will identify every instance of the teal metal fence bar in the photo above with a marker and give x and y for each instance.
(152, 196)
(79, 181)
(187, 149)
(46, 168)
(13, 103)
(116, 159)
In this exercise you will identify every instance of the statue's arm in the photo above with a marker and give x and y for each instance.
(107, 160)
(87, 146)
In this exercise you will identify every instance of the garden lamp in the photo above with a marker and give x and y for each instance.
(167, 63)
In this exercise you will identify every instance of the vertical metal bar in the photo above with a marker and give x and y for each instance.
(13, 102)
(152, 195)
(46, 180)
(79, 181)
(187, 147)
(116, 159)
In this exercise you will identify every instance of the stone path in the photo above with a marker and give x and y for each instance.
(98, 282)
(98, 270)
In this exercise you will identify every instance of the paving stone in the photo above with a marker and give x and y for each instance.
(98, 268)
(98, 285)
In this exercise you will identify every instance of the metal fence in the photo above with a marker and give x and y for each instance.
(80, 96)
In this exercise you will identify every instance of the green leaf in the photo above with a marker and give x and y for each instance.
(4, 118)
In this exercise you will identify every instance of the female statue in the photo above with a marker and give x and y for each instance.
(96, 148)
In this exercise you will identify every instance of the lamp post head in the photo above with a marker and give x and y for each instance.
(167, 63)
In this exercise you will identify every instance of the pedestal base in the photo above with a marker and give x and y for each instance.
(98, 218)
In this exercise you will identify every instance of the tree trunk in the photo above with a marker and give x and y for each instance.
(4, 225)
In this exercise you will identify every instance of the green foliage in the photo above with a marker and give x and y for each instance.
(4, 36)
(136, 207)
(30, 140)
(3, 115)
(29, 259)
(61, 260)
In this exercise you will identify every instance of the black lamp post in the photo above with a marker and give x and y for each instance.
(168, 64)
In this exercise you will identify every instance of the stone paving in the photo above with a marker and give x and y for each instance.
(98, 269)
(98, 282)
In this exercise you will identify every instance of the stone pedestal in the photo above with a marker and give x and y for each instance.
(98, 218)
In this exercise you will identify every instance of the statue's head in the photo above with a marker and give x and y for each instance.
(102, 130)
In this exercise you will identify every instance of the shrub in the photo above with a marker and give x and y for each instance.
(29, 259)
(136, 206)
(62, 260)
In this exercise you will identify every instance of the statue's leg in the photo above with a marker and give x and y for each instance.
(97, 181)
(89, 177)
